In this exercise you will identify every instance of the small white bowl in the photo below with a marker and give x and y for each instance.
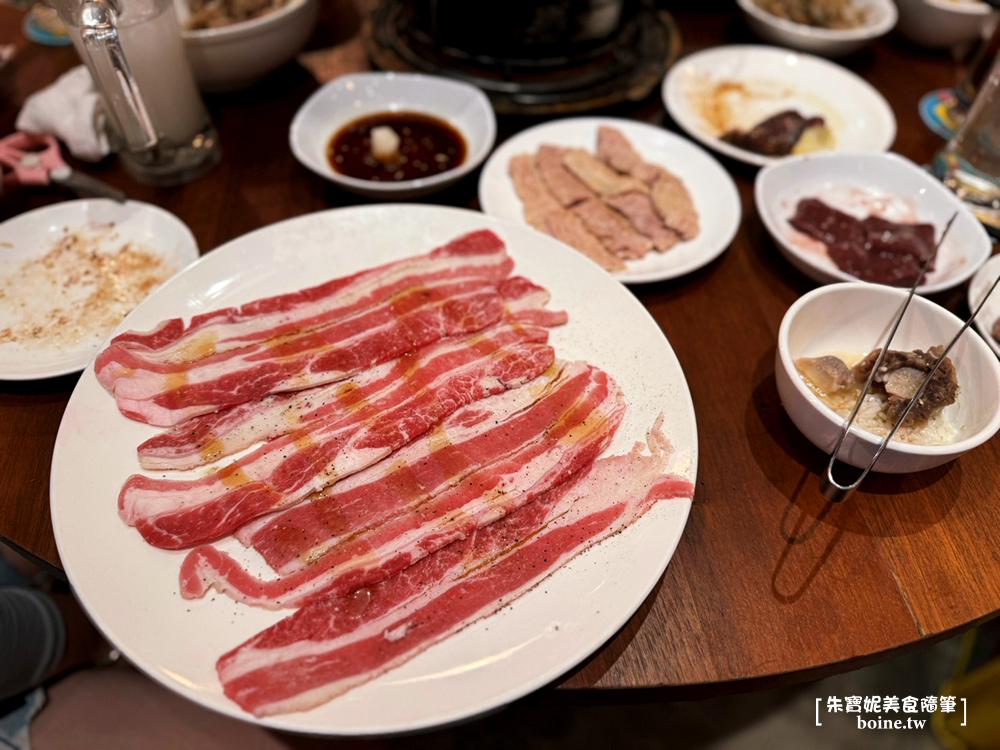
(880, 17)
(349, 97)
(940, 24)
(233, 57)
(856, 317)
(854, 182)
(990, 313)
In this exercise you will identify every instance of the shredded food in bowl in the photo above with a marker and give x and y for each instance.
(211, 14)
(826, 14)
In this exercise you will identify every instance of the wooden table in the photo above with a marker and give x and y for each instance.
(769, 584)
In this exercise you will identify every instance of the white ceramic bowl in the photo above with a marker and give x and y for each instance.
(233, 57)
(880, 17)
(939, 24)
(29, 236)
(990, 312)
(857, 183)
(856, 317)
(349, 97)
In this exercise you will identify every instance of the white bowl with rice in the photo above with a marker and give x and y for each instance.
(236, 55)
(849, 320)
(874, 18)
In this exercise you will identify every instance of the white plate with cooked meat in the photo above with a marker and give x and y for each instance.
(739, 88)
(616, 190)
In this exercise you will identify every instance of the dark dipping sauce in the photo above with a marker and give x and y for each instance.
(872, 249)
(428, 146)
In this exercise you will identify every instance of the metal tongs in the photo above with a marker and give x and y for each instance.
(833, 490)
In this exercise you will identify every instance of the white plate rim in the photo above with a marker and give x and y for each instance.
(671, 92)
(670, 517)
(981, 281)
(188, 251)
(495, 174)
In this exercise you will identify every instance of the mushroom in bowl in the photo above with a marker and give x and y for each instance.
(833, 28)
(850, 321)
(231, 46)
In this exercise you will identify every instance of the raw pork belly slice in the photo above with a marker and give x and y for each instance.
(203, 439)
(181, 513)
(460, 456)
(583, 426)
(332, 646)
(478, 254)
(415, 317)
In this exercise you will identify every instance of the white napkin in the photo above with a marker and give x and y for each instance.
(70, 110)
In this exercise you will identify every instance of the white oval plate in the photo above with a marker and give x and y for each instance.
(978, 287)
(859, 116)
(857, 183)
(130, 588)
(349, 97)
(33, 234)
(712, 189)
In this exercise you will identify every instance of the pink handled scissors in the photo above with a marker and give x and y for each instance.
(34, 159)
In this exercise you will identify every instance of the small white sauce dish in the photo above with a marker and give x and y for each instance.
(860, 184)
(880, 17)
(349, 97)
(855, 318)
(232, 57)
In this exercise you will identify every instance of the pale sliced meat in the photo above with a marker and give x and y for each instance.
(598, 176)
(537, 199)
(565, 226)
(674, 205)
(618, 236)
(563, 184)
(614, 148)
(639, 210)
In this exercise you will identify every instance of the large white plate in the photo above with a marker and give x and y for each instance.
(978, 288)
(33, 234)
(859, 116)
(711, 188)
(130, 588)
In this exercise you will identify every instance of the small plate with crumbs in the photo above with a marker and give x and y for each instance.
(70, 273)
